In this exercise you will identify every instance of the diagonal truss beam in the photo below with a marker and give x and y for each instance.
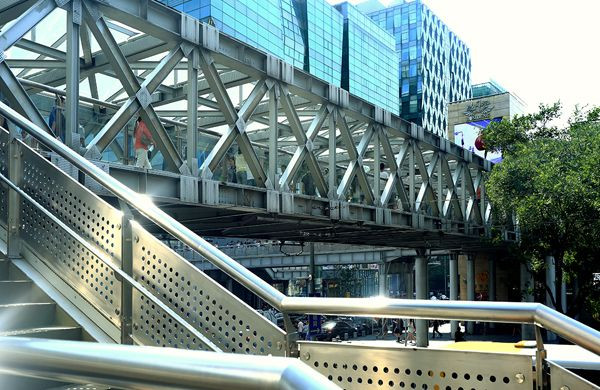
(472, 204)
(394, 181)
(451, 201)
(235, 120)
(304, 151)
(426, 194)
(16, 29)
(9, 84)
(355, 167)
(139, 95)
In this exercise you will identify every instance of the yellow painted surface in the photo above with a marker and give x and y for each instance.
(487, 346)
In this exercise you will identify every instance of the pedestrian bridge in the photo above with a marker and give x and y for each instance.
(80, 274)
(314, 151)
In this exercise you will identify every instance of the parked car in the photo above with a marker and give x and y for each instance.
(336, 328)
(366, 325)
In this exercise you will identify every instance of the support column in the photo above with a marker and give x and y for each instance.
(421, 284)
(470, 287)
(273, 136)
(492, 284)
(311, 269)
(453, 288)
(551, 283)
(332, 158)
(527, 331)
(192, 112)
(410, 280)
(382, 279)
(72, 62)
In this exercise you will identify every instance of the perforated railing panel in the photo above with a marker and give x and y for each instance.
(353, 366)
(88, 215)
(225, 320)
(3, 187)
(85, 213)
(563, 379)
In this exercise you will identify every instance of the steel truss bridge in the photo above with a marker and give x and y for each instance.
(75, 267)
(193, 85)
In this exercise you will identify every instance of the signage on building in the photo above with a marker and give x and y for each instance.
(481, 109)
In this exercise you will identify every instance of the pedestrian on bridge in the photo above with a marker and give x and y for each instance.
(143, 140)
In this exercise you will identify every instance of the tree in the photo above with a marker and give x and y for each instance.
(550, 178)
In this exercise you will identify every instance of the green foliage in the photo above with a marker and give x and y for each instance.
(550, 178)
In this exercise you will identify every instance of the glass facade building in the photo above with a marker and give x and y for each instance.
(339, 45)
(369, 64)
(488, 88)
(435, 65)
(325, 33)
(269, 25)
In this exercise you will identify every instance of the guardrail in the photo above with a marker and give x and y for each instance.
(527, 313)
(133, 367)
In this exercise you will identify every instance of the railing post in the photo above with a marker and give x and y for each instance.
(15, 175)
(540, 359)
(127, 267)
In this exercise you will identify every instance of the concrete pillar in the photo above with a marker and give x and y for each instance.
(470, 287)
(421, 284)
(551, 283)
(409, 280)
(453, 288)
(311, 268)
(382, 279)
(527, 331)
(492, 284)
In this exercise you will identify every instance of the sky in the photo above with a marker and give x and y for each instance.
(540, 50)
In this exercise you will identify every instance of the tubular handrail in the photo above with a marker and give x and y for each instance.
(126, 366)
(106, 260)
(528, 313)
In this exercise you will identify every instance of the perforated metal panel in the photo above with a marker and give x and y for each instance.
(83, 212)
(219, 315)
(563, 379)
(352, 366)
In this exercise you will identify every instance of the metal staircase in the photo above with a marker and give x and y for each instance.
(27, 311)
(128, 287)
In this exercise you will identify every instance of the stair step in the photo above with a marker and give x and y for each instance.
(51, 332)
(14, 273)
(21, 291)
(26, 316)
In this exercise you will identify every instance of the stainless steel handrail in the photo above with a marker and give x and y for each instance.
(528, 313)
(126, 366)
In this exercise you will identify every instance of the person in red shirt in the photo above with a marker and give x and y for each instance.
(143, 140)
